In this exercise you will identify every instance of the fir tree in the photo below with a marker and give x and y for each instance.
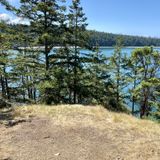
(45, 17)
(77, 27)
(147, 68)
(118, 75)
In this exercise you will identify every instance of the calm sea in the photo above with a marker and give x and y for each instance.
(108, 51)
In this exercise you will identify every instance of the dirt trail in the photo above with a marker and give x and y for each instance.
(43, 139)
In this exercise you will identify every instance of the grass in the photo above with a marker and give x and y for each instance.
(70, 129)
(87, 115)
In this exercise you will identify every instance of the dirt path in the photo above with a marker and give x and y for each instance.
(44, 139)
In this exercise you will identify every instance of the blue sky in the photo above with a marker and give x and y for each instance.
(133, 17)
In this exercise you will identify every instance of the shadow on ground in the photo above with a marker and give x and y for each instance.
(6, 114)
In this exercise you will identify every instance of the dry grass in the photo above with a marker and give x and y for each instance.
(87, 115)
(78, 132)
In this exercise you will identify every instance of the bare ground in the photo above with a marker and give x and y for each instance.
(78, 136)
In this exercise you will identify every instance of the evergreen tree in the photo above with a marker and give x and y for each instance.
(6, 38)
(131, 79)
(147, 68)
(77, 28)
(118, 75)
(97, 80)
(45, 17)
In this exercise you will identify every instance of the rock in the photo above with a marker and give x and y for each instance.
(57, 154)
(47, 137)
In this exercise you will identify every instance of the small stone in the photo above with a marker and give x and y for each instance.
(57, 154)
(46, 137)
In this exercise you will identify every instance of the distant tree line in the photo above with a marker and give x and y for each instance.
(34, 70)
(96, 38)
(109, 39)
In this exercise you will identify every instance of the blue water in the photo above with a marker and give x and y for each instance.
(108, 51)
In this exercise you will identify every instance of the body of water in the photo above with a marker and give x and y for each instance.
(108, 51)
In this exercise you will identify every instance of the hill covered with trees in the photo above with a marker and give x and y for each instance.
(109, 39)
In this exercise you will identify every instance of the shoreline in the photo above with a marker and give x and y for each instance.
(129, 46)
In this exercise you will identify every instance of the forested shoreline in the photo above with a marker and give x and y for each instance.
(67, 75)
(103, 39)
(109, 39)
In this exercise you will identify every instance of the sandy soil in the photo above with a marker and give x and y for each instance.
(44, 138)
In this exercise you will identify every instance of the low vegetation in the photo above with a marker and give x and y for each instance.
(94, 115)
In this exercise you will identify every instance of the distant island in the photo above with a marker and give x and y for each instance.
(109, 39)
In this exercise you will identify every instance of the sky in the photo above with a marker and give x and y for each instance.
(132, 17)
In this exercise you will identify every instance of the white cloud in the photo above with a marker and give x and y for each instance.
(14, 20)
(13, 1)
(4, 17)
(19, 20)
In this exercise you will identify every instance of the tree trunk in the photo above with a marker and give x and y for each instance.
(144, 106)
(3, 87)
(75, 61)
(24, 94)
(34, 94)
(7, 89)
(133, 104)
